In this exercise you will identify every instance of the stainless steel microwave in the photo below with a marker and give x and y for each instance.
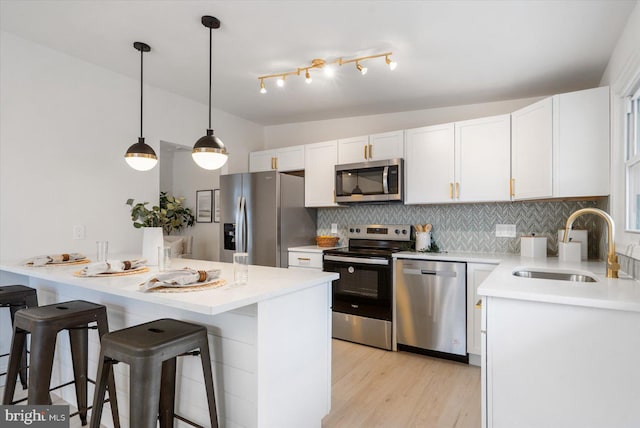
(370, 182)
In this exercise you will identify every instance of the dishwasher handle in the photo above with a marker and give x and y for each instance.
(445, 273)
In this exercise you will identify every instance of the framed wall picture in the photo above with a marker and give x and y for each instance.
(204, 206)
(216, 205)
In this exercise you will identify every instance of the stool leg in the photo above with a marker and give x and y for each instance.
(23, 358)
(104, 370)
(103, 328)
(15, 355)
(79, 338)
(168, 393)
(208, 380)
(43, 346)
(144, 394)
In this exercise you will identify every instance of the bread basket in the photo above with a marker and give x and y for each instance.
(327, 241)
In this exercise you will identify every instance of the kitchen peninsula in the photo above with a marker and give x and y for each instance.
(270, 339)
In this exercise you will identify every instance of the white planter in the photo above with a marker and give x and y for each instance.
(151, 239)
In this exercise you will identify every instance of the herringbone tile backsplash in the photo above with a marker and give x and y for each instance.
(471, 227)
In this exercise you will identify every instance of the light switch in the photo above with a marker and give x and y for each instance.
(79, 231)
(334, 227)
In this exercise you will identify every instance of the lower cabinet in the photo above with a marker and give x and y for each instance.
(305, 259)
(476, 273)
(559, 365)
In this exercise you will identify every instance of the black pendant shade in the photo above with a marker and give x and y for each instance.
(141, 156)
(209, 151)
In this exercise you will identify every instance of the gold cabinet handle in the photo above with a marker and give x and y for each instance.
(512, 185)
(370, 151)
(479, 304)
(365, 152)
(450, 190)
(273, 163)
(457, 190)
(304, 259)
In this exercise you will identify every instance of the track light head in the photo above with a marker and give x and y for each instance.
(392, 64)
(361, 69)
(307, 77)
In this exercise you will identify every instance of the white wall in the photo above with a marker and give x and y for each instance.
(323, 130)
(622, 75)
(66, 125)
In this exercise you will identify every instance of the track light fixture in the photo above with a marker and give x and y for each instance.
(327, 66)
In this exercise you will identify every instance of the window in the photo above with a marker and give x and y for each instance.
(632, 138)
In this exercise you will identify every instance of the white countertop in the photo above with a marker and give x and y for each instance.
(608, 293)
(264, 283)
(312, 248)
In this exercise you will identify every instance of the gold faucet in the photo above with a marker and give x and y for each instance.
(612, 259)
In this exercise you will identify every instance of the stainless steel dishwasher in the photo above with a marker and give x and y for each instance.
(431, 308)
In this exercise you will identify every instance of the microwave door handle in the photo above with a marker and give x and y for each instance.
(385, 180)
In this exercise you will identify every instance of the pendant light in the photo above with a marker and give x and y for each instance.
(209, 151)
(140, 156)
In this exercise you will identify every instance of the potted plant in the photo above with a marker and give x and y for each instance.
(169, 216)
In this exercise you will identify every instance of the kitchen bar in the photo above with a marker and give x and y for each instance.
(270, 339)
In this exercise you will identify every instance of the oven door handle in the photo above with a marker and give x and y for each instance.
(360, 260)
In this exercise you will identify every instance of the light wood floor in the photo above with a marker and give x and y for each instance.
(376, 388)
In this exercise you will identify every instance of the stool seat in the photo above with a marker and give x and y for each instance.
(44, 323)
(16, 297)
(151, 350)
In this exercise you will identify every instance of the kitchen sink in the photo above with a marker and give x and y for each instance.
(558, 276)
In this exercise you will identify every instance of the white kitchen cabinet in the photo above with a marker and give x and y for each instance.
(429, 164)
(581, 143)
(482, 155)
(555, 365)
(282, 159)
(476, 273)
(388, 145)
(319, 176)
(560, 146)
(462, 162)
(305, 259)
(532, 151)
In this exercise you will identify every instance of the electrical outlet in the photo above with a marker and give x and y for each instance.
(505, 230)
(334, 227)
(79, 231)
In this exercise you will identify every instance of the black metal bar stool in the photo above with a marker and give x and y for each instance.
(44, 323)
(16, 297)
(151, 349)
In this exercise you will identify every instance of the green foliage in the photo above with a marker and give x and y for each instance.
(171, 215)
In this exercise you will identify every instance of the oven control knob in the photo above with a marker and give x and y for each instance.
(358, 230)
(351, 230)
(350, 269)
(404, 231)
(397, 231)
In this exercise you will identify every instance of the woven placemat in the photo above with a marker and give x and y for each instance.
(110, 274)
(186, 289)
(68, 263)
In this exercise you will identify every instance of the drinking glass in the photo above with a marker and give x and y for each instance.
(164, 258)
(102, 251)
(240, 268)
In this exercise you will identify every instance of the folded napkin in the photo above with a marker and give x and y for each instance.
(55, 258)
(112, 266)
(181, 278)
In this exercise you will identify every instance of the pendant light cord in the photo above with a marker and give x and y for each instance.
(141, 77)
(210, 74)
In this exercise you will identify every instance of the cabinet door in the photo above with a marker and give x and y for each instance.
(581, 143)
(351, 150)
(532, 151)
(429, 161)
(389, 145)
(264, 160)
(476, 273)
(483, 153)
(290, 158)
(319, 177)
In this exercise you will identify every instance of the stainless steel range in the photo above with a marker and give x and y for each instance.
(362, 297)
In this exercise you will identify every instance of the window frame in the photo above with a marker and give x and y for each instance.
(632, 159)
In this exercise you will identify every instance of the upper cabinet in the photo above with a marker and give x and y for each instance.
(319, 174)
(560, 146)
(532, 151)
(388, 145)
(283, 159)
(458, 162)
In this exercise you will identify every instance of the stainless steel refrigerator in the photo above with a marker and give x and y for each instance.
(263, 214)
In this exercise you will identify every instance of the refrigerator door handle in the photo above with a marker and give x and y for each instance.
(243, 225)
(238, 225)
